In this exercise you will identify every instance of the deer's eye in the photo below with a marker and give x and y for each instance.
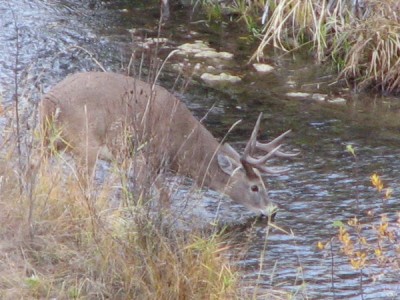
(254, 188)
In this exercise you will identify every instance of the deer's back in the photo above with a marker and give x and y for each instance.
(95, 109)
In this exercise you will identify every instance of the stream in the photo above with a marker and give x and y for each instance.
(325, 184)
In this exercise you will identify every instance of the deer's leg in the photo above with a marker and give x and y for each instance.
(164, 191)
(86, 157)
(145, 177)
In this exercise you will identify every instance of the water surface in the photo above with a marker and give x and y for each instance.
(325, 183)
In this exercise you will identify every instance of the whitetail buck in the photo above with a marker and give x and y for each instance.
(97, 112)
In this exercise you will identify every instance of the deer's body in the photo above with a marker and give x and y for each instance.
(98, 112)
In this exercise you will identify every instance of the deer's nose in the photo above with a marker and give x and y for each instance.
(272, 218)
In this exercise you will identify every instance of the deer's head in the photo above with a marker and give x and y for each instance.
(245, 184)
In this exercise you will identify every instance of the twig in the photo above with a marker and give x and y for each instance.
(332, 269)
(91, 56)
(16, 98)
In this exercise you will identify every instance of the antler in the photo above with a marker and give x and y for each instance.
(272, 148)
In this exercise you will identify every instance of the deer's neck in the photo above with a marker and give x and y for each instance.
(197, 158)
(188, 147)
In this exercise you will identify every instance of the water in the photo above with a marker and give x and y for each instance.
(325, 184)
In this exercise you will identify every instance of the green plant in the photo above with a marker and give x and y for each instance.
(213, 10)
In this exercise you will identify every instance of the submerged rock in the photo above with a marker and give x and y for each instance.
(200, 49)
(149, 42)
(214, 54)
(316, 97)
(193, 48)
(319, 97)
(263, 68)
(337, 101)
(298, 94)
(219, 78)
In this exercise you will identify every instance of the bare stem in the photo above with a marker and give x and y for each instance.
(16, 98)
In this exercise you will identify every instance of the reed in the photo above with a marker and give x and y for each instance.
(360, 39)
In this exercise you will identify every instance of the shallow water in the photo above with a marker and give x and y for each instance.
(325, 183)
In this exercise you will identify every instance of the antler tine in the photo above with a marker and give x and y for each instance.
(273, 170)
(274, 144)
(250, 162)
(272, 148)
(251, 144)
(257, 162)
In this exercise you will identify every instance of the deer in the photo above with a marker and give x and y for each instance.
(97, 111)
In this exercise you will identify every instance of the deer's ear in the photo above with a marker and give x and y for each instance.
(225, 163)
(228, 149)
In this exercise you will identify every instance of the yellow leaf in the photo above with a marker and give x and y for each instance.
(320, 245)
(377, 182)
(359, 261)
(355, 263)
(383, 228)
(378, 252)
(351, 150)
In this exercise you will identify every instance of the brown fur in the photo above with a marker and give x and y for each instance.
(97, 111)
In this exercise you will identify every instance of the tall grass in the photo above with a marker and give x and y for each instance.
(359, 38)
(59, 241)
(246, 11)
(293, 23)
(370, 55)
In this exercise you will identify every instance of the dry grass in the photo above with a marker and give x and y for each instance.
(58, 242)
(360, 40)
(370, 55)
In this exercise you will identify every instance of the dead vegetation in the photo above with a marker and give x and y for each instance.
(61, 241)
(360, 38)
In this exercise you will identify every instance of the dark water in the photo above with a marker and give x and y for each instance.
(325, 184)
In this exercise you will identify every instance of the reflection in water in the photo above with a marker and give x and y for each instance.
(324, 185)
